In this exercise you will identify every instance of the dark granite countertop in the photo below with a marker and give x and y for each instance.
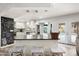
(35, 39)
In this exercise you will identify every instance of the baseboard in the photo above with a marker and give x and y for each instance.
(67, 43)
(7, 46)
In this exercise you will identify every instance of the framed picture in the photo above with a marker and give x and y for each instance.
(75, 27)
(61, 27)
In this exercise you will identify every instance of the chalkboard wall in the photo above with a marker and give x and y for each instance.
(7, 28)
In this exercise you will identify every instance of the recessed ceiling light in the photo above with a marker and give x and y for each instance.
(27, 11)
(36, 11)
(45, 10)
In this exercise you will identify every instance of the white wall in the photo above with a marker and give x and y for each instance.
(67, 19)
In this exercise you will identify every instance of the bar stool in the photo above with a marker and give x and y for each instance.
(17, 51)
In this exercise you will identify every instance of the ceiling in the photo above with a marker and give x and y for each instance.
(30, 11)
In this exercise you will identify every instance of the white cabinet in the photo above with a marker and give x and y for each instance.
(20, 35)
